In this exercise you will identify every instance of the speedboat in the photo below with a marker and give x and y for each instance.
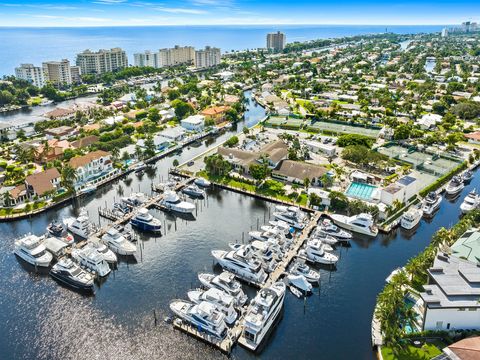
(315, 252)
(411, 218)
(80, 226)
(202, 182)
(241, 264)
(454, 186)
(300, 268)
(135, 199)
(467, 176)
(262, 314)
(222, 301)
(327, 227)
(204, 316)
(300, 282)
(107, 254)
(225, 282)
(31, 249)
(171, 201)
(70, 274)
(361, 223)
(90, 258)
(431, 203)
(143, 220)
(471, 202)
(117, 242)
(193, 190)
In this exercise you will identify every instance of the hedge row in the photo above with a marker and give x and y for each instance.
(443, 180)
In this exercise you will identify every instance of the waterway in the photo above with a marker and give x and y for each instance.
(40, 319)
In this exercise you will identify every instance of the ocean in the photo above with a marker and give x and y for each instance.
(35, 45)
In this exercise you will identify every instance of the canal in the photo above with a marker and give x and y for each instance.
(40, 319)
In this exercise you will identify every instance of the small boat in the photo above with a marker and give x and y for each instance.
(144, 221)
(56, 229)
(471, 202)
(300, 268)
(202, 182)
(225, 282)
(327, 227)
(194, 191)
(467, 176)
(454, 186)
(222, 301)
(411, 218)
(66, 272)
(326, 239)
(171, 201)
(295, 291)
(92, 260)
(299, 282)
(31, 249)
(107, 254)
(431, 203)
(361, 223)
(117, 243)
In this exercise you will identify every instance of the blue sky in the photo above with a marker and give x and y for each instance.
(233, 12)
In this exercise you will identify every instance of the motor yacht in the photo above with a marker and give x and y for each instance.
(225, 282)
(454, 186)
(300, 282)
(204, 317)
(135, 199)
(66, 272)
(145, 221)
(171, 201)
(90, 259)
(241, 264)
(326, 239)
(117, 242)
(361, 223)
(411, 218)
(56, 229)
(431, 203)
(281, 225)
(471, 202)
(315, 252)
(80, 226)
(467, 176)
(300, 268)
(260, 251)
(222, 301)
(194, 191)
(290, 218)
(202, 182)
(107, 254)
(261, 314)
(327, 227)
(31, 249)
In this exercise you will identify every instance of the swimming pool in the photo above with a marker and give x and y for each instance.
(360, 191)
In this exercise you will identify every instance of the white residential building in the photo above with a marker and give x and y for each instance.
(147, 58)
(92, 166)
(194, 123)
(207, 57)
(177, 55)
(58, 72)
(276, 41)
(30, 73)
(102, 61)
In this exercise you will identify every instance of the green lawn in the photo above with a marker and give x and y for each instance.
(426, 352)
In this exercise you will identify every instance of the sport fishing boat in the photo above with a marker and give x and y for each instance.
(194, 191)
(118, 243)
(31, 249)
(327, 227)
(222, 301)
(241, 264)
(454, 186)
(300, 282)
(300, 268)
(261, 315)
(135, 199)
(107, 254)
(66, 272)
(326, 239)
(145, 221)
(80, 226)
(225, 282)
(471, 202)
(290, 218)
(361, 223)
(467, 176)
(57, 230)
(411, 218)
(431, 203)
(202, 182)
(315, 252)
(90, 259)
(171, 201)
(204, 317)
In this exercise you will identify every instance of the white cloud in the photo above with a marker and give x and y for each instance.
(180, 10)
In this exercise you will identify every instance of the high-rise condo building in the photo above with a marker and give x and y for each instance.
(102, 61)
(57, 72)
(276, 41)
(207, 57)
(30, 73)
(146, 58)
(177, 55)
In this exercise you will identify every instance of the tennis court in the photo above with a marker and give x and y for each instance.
(282, 121)
(320, 126)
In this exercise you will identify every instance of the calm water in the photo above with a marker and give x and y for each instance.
(39, 319)
(34, 45)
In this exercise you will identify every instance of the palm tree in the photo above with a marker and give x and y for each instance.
(69, 176)
(7, 198)
(115, 153)
(46, 150)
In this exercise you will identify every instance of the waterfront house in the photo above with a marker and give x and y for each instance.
(84, 142)
(473, 137)
(55, 149)
(18, 194)
(60, 114)
(173, 133)
(467, 247)
(193, 123)
(296, 172)
(160, 142)
(450, 299)
(215, 113)
(61, 132)
(42, 183)
(465, 349)
(91, 166)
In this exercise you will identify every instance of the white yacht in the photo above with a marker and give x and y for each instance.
(145, 221)
(204, 316)
(361, 223)
(118, 243)
(282, 225)
(326, 239)
(193, 190)
(471, 202)
(300, 282)
(135, 199)
(315, 252)
(225, 282)
(31, 249)
(80, 226)
(431, 203)
(261, 314)
(411, 218)
(290, 218)
(327, 227)
(90, 258)
(300, 268)
(454, 186)
(241, 264)
(222, 301)
(172, 202)
(258, 250)
(107, 254)
(202, 182)
(70, 274)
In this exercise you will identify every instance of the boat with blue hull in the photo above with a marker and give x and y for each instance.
(144, 221)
